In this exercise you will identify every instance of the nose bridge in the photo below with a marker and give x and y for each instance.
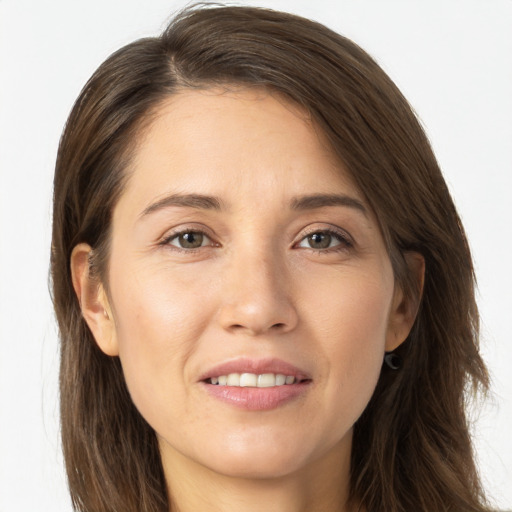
(257, 273)
(256, 291)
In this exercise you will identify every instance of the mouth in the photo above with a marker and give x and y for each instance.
(253, 380)
(256, 385)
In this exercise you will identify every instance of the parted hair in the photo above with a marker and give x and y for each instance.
(412, 448)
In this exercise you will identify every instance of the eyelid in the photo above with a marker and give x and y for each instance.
(180, 230)
(205, 242)
(343, 235)
(346, 240)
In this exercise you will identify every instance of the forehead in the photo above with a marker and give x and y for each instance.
(243, 142)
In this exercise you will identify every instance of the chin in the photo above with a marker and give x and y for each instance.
(252, 460)
(254, 469)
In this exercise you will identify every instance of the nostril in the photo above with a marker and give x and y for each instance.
(236, 327)
(279, 326)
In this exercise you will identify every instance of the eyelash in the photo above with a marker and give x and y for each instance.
(168, 239)
(344, 240)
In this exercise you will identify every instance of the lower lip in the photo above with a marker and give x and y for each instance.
(257, 399)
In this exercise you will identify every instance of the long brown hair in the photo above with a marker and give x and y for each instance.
(411, 449)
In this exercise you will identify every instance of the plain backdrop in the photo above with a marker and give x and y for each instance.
(452, 60)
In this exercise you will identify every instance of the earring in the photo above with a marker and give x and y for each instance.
(105, 314)
(394, 361)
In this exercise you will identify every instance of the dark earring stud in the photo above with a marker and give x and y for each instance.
(394, 361)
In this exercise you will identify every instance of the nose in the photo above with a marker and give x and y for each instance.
(257, 296)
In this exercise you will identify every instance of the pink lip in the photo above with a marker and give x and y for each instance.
(256, 399)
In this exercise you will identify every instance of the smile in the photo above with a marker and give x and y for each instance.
(256, 384)
(263, 380)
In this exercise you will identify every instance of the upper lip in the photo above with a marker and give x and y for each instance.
(256, 366)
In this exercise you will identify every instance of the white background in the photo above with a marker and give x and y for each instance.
(453, 61)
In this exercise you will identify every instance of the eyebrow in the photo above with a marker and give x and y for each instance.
(205, 202)
(197, 201)
(314, 201)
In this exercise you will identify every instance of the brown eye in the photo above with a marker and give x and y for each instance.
(189, 240)
(319, 240)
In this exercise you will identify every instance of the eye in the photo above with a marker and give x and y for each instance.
(325, 239)
(189, 240)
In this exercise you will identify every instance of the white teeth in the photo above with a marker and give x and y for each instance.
(248, 380)
(264, 380)
(233, 379)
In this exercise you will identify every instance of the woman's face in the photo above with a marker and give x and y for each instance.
(240, 246)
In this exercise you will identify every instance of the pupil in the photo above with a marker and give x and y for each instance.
(191, 240)
(319, 240)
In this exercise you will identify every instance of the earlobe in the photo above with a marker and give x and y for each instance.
(405, 306)
(93, 300)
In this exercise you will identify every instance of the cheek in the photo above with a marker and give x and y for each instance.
(350, 310)
(350, 321)
(157, 328)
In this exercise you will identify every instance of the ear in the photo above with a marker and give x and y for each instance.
(93, 300)
(404, 309)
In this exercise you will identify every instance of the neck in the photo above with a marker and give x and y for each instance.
(322, 485)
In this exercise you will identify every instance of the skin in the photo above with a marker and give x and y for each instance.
(256, 288)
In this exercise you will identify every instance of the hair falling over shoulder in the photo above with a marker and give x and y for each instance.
(412, 449)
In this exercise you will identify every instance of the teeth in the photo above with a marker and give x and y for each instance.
(233, 379)
(281, 379)
(264, 380)
(248, 380)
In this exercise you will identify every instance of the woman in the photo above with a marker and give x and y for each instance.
(268, 297)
